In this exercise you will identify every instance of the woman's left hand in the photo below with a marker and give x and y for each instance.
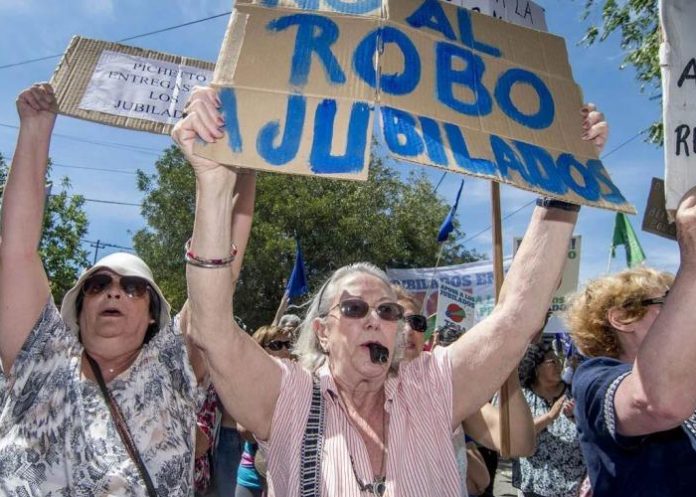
(595, 126)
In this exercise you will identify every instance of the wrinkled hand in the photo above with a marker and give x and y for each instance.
(37, 106)
(569, 408)
(203, 120)
(595, 127)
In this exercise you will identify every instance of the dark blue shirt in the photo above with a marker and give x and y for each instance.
(659, 464)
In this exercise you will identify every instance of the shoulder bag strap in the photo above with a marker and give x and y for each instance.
(310, 467)
(122, 427)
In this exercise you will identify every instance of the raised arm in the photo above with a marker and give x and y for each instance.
(24, 286)
(484, 425)
(659, 394)
(246, 379)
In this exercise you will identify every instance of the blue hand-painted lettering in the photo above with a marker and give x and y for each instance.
(285, 151)
(432, 16)
(544, 117)
(564, 166)
(461, 154)
(229, 114)
(399, 125)
(541, 167)
(470, 77)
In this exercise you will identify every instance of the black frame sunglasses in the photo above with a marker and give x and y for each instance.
(132, 286)
(417, 322)
(356, 308)
(278, 345)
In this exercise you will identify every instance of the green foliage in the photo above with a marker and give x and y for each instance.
(65, 223)
(384, 220)
(637, 21)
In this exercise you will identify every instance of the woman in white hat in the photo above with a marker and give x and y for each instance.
(101, 397)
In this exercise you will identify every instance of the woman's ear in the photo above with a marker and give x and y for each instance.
(321, 332)
(617, 320)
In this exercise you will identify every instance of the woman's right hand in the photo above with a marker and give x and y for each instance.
(203, 121)
(37, 106)
(557, 407)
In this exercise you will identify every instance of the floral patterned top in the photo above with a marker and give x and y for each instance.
(57, 437)
(206, 421)
(557, 468)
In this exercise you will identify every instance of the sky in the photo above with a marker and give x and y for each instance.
(33, 29)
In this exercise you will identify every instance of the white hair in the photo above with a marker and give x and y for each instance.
(307, 348)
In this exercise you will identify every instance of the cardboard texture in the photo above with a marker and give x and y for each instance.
(656, 220)
(455, 89)
(678, 65)
(162, 80)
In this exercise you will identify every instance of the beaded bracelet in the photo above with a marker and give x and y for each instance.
(194, 260)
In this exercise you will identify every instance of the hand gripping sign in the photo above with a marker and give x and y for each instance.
(300, 79)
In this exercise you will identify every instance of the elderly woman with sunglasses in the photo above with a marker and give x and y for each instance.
(635, 396)
(100, 398)
(348, 419)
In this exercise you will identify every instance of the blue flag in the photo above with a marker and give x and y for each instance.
(297, 284)
(448, 224)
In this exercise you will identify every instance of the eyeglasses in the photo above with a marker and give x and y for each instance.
(358, 308)
(133, 286)
(654, 301)
(277, 345)
(417, 322)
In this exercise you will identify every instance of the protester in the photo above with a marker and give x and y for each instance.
(635, 396)
(290, 323)
(63, 431)
(373, 425)
(556, 467)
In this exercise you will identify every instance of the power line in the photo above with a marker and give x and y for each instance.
(103, 143)
(54, 56)
(88, 168)
(99, 201)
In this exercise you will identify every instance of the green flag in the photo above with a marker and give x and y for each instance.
(624, 235)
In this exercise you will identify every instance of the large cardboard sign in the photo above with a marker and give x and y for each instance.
(126, 86)
(456, 90)
(678, 64)
(455, 307)
(568, 284)
(474, 279)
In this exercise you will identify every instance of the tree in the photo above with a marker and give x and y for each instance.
(639, 27)
(64, 224)
(384, 220)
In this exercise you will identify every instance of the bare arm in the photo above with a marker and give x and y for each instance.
(477, 476)
(486, 355)
(24, 286)
(484, 425)
(659, 393)
(246, 379)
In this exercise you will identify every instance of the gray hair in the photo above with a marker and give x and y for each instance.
(307, 348)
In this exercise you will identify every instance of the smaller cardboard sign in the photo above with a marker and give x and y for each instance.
(656, 220)
(125, 86)
(567, 286)
(455, 307)
(522, 12)
(678, 65)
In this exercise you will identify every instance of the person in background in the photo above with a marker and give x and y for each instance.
(276, 341)
(556, 468)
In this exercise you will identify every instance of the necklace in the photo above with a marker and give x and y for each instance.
(377, 486)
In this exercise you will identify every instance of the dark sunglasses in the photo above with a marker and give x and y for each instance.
(277, 345)
(417, 322)
(358, 308)
(133, 286)
(654, 301)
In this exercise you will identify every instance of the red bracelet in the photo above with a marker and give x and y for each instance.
(194, 260)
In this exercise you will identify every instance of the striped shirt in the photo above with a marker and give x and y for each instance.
(420, 457)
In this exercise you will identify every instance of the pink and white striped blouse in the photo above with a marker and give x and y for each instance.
(420, 461)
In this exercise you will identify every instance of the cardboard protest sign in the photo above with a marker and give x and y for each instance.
(567, 286)
(678, 65)
(455, 307)
(475, 279)
(126, 86)
(457, 90)
(656, 220)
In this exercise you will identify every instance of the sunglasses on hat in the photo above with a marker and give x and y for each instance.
(133, 286)
(417, 322)
(277, 345)
(358, 308)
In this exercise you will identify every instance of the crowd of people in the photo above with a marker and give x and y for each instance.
(110, 395)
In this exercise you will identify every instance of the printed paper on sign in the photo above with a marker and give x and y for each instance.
(126, 86)
(455, 307)
(678, 64)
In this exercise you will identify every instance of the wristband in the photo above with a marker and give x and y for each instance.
(551, 203)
